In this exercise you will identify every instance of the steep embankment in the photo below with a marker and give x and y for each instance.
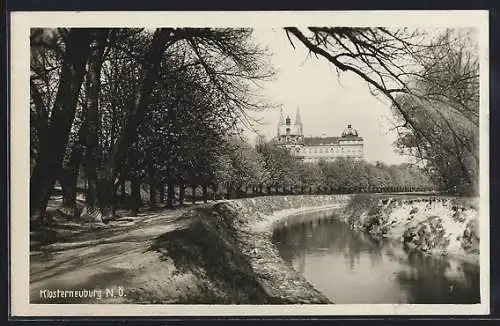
(223, 252)
(215, 253)
(235, 239)
(433, 225)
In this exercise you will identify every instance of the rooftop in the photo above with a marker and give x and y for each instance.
(315, 141)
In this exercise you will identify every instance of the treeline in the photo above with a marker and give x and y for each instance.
(240, 170)
(117, 107)
(268, 169)
(115, 110)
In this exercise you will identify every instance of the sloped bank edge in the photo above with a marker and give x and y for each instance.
(253, 231)
(354, 218)
(250, 223)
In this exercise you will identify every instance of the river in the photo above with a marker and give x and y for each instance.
(350, 267)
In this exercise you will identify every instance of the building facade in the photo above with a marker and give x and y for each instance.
(313, 149)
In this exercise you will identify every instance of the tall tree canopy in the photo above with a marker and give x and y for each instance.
(113, 86)
(120, 108)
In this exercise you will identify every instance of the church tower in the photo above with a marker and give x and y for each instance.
(290, 133)
(298, 123)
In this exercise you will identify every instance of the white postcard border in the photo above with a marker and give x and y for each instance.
(19, 164)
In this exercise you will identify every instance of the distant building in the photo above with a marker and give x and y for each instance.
(313, 149)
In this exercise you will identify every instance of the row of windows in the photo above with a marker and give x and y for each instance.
(328, 159)
(332, 157)
(350, 141)
(330, 150)
(289, 138)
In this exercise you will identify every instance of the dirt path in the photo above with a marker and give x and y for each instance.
(203, 254)
(115, 257)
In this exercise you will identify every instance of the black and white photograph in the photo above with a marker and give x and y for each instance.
(244, 163)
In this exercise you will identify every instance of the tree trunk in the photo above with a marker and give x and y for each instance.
(68, 176)
(205, 197)
(53, 143)
(68, 179)
(170, 194)
(182, 193)
(193, 194)
(68, 185)
(93, 209)
(152, 194)
(135, 200)
(162, 193)
(123, 192)
(135, 111)
(215, 190)
(42, 123)
(113, 199)
(152, 183)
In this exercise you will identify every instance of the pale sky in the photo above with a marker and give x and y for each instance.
(327, 104)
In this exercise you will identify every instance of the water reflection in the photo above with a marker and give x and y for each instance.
(349, 267)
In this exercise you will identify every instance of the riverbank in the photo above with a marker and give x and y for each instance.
(222, 252)
(251, 223)
(230, 251)
(215, 253)
(442, 226)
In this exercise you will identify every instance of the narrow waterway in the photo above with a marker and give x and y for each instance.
(350, 267)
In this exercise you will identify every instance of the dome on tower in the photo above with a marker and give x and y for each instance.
(350, 131)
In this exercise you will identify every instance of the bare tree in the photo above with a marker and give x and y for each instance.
(417, 71)
(135, 113)
(446, 111)
(93, 121)
(54, 141)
